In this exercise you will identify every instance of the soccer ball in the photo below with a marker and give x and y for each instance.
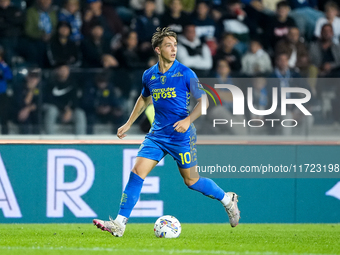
(167, 226)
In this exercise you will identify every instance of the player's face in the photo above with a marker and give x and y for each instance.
(254, 47)
(176, 6)
(259, 83)
(282, 62)
(283, 11)
(293, 35)
(331, 13)
(96, 6)
(190, 33)
(63, 73)
(327, 33)
(223, 68)
(168, 49)
(149, 7)
(202, 9)
(45, 4)
(32, 81)
(72, 7)
(64, 31)
(97, 32)
(229, 41)
(132, 40)
(5, 3)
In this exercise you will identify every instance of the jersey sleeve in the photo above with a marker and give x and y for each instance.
(195, 87)
(145, 89)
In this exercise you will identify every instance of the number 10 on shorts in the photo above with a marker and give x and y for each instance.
(186, 157)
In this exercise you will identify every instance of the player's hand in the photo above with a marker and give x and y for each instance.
(327, 67)
(182, 125)
(46, 37)
(122, 130)
(109, 61)
(24, 113)
(67, 116)
(88, 16)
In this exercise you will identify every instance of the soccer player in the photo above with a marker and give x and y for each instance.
(169, 84)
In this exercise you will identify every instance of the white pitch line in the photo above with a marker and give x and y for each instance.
(173, 251)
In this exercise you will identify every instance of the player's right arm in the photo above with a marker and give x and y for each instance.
(140, 106)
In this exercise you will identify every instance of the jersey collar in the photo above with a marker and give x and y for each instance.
(171, 69)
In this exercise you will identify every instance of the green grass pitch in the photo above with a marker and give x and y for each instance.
(251, 239)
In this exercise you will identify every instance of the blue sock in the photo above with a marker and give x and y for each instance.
(208, 188)
(130, 195)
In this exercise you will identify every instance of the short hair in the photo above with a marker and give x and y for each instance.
(256, 40)
(282, 4)
(202, 2)
(225, 35)
(66, 2)
(96, 24)
(64, 24)
(172, 1)
(160, 34)
(281, 53)
(294, 27)
(231, 2)
(327, 25)
(205, 2)
(222, 60)
(188, 25)
(331, 4)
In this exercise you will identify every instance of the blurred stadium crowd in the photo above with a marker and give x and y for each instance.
(80, 62)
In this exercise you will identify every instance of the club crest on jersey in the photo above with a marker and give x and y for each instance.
(163, 79)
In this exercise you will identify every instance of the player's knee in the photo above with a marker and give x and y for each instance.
(190, 181)
(136, 171)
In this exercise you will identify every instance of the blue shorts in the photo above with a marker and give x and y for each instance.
(184, 154)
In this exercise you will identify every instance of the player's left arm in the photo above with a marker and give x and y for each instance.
(183, 125)
(195, 88)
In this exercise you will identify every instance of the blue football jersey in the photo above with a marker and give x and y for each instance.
(170, 93)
